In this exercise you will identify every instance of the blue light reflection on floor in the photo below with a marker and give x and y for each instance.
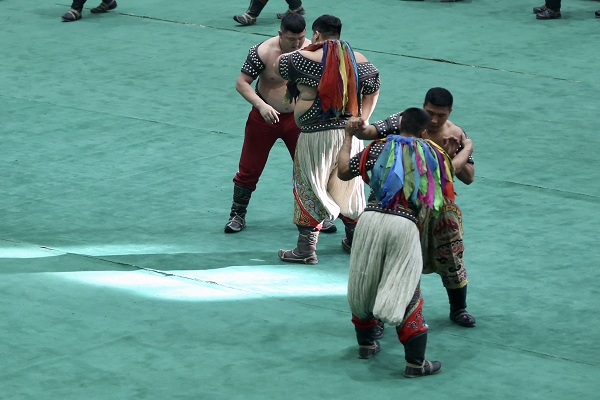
(231, 283)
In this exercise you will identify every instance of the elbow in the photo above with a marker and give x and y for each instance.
(344, 176)
(466, 179)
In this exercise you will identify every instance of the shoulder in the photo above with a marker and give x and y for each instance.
(453, 129)
(267, 47)
(310, 55)
(360, 58)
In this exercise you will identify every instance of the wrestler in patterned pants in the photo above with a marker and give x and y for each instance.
(442, 243)
(319, 194)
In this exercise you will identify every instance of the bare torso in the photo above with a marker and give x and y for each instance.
(464, 170)
(270, 85)
(448, 129)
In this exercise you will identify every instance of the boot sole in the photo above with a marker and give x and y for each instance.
(312, 259)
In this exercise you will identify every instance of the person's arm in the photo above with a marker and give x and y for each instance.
(343, 171)
(244, 87)
(464, 168)
(370, 84)
(377, 130)
(369, 101)
(361, 129)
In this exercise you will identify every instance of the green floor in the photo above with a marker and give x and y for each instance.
(119, 137)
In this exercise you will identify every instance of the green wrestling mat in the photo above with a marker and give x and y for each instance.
(121, 133)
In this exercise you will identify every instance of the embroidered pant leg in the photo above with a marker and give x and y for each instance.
(443, 247)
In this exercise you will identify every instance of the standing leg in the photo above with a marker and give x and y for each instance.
(305, 251)
(237, 217)
(259, 138)
(413, 335)
(447, 249)
(349, 226)
(458, 307)
(290, 138)
(416, 364)
(254, 10)
(366, 336)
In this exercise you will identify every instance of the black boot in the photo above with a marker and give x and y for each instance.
(71, 15)
(295, 7)
(105, 6)
(237, 217)
(548, 13)
(458, 307)
(368, 345)
(328, 227)
(349, 226)
(379, 328)
(416, 364)
(254, 10)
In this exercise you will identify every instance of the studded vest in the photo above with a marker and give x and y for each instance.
(304, 71)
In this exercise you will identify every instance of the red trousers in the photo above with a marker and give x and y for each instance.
(259, 138)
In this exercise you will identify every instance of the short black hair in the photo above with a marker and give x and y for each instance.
(293, 22)
(414, 120)
(328, 25)
(439, 97)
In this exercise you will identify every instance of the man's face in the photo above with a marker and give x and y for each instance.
(439, 115)
(290, 41)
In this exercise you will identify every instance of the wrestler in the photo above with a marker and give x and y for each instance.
(409, 175)
(331, 83)
(443, 248)
(270, 118)
(442, 242)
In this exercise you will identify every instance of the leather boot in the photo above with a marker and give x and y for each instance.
(237, 217)
(254, 10)
(548, 13)
(416, 364)
(105, 6)
(295, 7)
(328, 227)
(366, 336)
(349, 226)
(458, 307)
(305, 251)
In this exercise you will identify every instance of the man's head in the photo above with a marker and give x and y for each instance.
(438, 104)
(292, 32)
(414, 121)
(326, 27)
